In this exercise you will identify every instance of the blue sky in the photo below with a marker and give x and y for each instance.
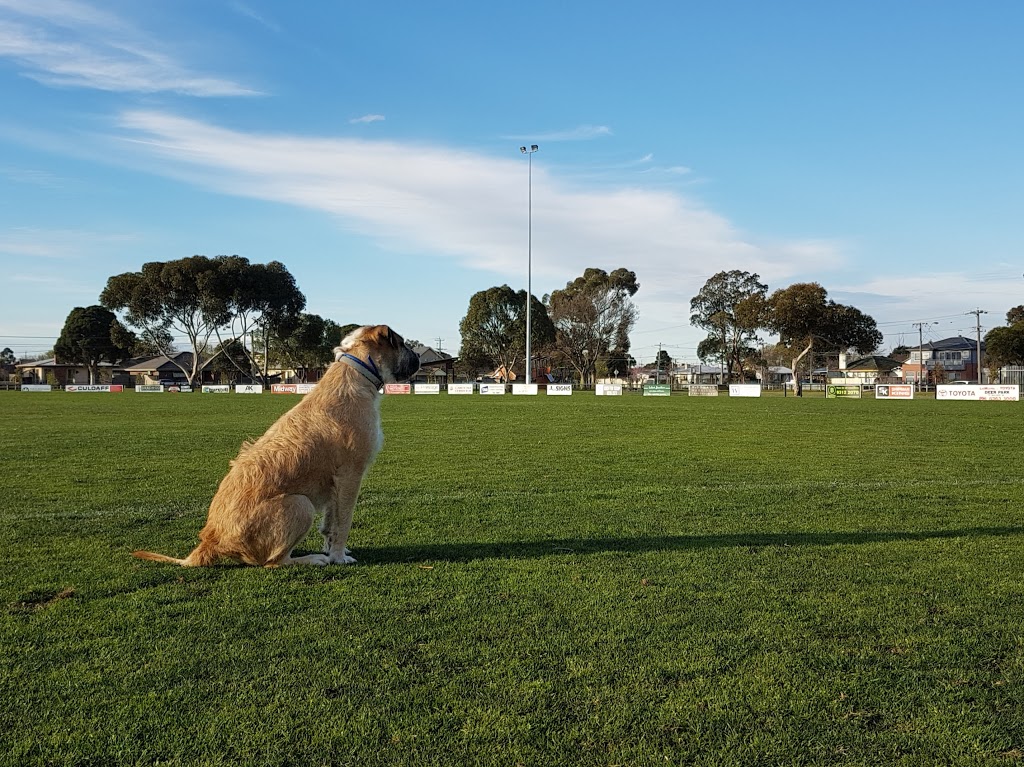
(874, 147)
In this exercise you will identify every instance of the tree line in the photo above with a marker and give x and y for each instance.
(247, 317)
(234, 316)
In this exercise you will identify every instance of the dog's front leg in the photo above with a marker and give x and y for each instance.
(338, 520)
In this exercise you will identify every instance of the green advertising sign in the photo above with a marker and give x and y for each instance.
(843, 391)
(657, 390)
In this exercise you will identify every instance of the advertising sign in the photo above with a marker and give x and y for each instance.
(398, 388)
(425, 388)
(894, 391)
(463, 388)
(492, 388)
(703, 390)
(149, 388)
(560, 390)
(978, 393)
(114, 388)
(248, 388)
(284, 389)
(608, 390)
(36, 387)
(744, 390)
(530, 389)
(843, 391)
(216, 389)
(658, 390)
(305, 388)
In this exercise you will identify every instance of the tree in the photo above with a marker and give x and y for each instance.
(802, 315)
(308, 345)
(262, 301)
(718, 308)
(182, 295)
(92, 335)
(592, 317)
(199, 296)
(494, 328)
(1015, 315)
(1005, 346)
(7, 356)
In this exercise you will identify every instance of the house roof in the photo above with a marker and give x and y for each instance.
(160, 362)
(428, 355)
(952, 344)
(874, 362)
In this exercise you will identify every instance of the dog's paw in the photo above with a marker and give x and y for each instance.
(341, 558)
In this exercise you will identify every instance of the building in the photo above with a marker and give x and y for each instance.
(435, 367)
(951, 359)
(869, 370)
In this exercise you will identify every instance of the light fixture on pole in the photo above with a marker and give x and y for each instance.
(529, 255)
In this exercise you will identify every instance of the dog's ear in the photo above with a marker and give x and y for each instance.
(382, 334)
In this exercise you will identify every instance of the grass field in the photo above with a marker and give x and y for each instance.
(541, 581)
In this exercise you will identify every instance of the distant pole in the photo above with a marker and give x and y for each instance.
(977, 317)
(529, 254)
(920, 350)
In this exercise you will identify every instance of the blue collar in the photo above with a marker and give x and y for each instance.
(368, 368)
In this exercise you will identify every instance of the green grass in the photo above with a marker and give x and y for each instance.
(541, 581)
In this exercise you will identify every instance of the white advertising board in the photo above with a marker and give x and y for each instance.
(397, 388)
(978, 393)
(559, 390)
(304, 388)
(248, 388)
(36, 387)
(149, 388)
(894, 391)
(114, 388)
(704, 390)
(462, 388)
(216, 389)
(530, 389)
(492, 388)
(608, 390)
(427, 388)
(744, 390)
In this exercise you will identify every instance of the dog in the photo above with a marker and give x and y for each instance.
(313, 458)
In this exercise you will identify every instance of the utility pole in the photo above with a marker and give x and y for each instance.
(977, 318)
(920, 350)
(438, 349)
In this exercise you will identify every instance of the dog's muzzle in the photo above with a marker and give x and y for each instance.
(408, 364)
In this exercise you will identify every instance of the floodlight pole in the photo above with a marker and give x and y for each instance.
(529, 254)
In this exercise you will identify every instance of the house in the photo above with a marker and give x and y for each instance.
(57, 373)
(435, 366)
(868, 370)
(950, 359)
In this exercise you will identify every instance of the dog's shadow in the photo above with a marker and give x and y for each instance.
(516, 550)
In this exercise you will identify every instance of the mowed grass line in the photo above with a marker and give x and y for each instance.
(541, 581)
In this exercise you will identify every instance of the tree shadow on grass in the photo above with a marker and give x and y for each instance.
(468, 552)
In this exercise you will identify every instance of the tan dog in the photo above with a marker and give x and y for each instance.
(313, 458)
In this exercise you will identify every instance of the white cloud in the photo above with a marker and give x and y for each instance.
(65, 43)
(471, 208)
(580, 133)
(367, 119)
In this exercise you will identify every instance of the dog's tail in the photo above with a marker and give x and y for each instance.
(202, 556)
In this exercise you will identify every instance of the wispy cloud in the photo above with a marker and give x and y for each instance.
(70, 44)
(247, 11)
(471, 207)
(367, 119)
(580, 133)
(63, 244)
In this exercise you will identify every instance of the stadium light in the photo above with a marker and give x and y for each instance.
(529, 254)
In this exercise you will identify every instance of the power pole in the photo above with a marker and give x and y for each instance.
(977, 318)
(920, 349)
(438, 349)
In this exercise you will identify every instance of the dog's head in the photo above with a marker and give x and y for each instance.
(387, 350)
